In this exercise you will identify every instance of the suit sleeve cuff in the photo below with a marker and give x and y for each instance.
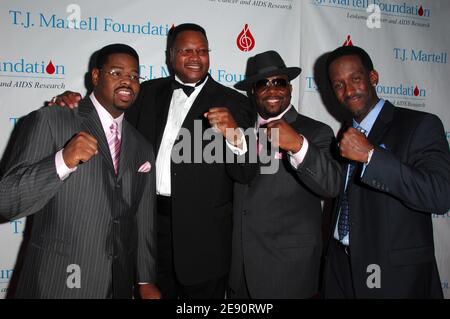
(297, 158)
(238, 150)
(61, 168)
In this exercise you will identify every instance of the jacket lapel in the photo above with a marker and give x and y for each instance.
(201, 103)
(162, 110)
(381, 124)
(127, 149)
(92, 125)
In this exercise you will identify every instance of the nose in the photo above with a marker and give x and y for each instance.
(349, 90)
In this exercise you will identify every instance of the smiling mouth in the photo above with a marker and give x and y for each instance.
(194, 67)
(273, 99)
(354, 98)
(125, 95)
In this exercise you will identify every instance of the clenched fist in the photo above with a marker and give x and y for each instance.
(288, 139)
(222, 120)
(355, 146)
(79, 149)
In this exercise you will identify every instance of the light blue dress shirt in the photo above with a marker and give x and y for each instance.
(366, 124)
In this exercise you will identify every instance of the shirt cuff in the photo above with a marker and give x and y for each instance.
(297, 158)
(367, 163)
(238, 150)
(61, 168)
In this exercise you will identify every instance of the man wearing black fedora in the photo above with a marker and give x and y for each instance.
(277, 240)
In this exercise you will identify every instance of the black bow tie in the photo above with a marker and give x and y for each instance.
(186, 88)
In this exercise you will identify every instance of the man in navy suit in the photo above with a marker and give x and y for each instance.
(397, 173)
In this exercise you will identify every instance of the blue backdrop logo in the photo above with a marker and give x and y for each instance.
(25, 68)
(403, 94)
(385, 12)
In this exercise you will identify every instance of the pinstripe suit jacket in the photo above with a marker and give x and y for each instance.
(96, 220)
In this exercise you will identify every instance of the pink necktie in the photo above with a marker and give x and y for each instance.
(114, 145)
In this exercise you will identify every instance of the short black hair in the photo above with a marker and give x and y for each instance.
(105, 52)
(351, 50)
(175, 31)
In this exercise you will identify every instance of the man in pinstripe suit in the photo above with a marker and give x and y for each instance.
(86, 175)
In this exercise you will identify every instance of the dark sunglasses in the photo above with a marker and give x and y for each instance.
(265, 83)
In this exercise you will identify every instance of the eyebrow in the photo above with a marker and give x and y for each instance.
(121, 67)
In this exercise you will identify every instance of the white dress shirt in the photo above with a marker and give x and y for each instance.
(180, 105)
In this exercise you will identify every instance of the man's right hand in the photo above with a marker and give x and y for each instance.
(79, 149)
(68, 98)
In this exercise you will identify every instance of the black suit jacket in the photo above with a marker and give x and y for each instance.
(277, 235)
(407, 180)
(202, 193)
(95, 220)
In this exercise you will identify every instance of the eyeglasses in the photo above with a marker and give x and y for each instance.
(118, 74)
(264, 84)
(190, 52)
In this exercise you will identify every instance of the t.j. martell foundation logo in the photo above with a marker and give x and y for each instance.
(245, 40)
(22, 67)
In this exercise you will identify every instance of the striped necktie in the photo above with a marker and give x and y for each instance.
(114, 145)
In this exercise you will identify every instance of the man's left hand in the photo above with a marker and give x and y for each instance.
(288, 139)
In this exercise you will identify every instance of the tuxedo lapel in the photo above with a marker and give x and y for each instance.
(92, 125)
(163, 99)
(202, 103)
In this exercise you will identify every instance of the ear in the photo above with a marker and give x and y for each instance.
(373, 77)
(94, 76)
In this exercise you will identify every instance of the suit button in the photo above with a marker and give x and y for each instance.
(118, 185)
(244, 212)
(115, 221)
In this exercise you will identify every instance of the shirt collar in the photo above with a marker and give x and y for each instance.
(193, 84)
(369, 120)
(105, 117)
(262, 121)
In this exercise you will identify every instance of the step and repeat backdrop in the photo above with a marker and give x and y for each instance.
(45, 49)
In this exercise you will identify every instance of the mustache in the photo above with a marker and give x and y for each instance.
(125, 87)
(348, 98)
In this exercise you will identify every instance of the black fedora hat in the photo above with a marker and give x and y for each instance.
(263, 65)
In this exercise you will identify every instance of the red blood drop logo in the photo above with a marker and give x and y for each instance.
(420, 12)
(245, 40)
(348, 42)
(416, 91)
(50, 69)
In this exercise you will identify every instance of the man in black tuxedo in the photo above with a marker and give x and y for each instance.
(194, 213)
(277, 235)
(397, 174)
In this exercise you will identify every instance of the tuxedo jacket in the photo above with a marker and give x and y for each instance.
(202, 193)
(407, 180)
(277, 234)
(94, 230)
